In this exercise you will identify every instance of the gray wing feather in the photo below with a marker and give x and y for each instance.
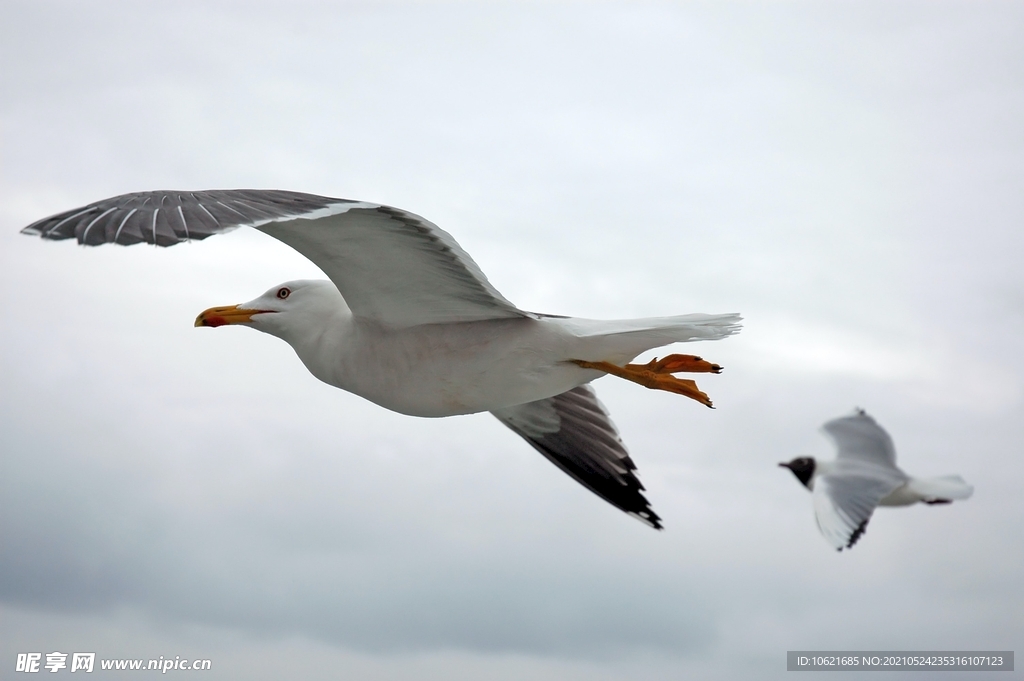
(843, 504)
(418, 273)
(390, 265)
(574, 431)
(860, 438)
(165, 218)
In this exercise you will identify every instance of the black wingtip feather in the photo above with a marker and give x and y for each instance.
(858, 533)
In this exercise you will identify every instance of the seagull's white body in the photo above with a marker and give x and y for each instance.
(409, 321)
(438, 370)
(913, 491)
(864, 475)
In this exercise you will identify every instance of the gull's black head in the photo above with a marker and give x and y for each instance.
(802, 467)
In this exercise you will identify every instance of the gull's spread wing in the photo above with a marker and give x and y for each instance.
(390, 265)
(575, 433)
(863, 474)
(843, 504)
(859, 438)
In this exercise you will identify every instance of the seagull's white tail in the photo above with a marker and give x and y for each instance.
(943, 488)
(619, 341)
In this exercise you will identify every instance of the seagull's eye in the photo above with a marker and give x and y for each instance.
(283, 292)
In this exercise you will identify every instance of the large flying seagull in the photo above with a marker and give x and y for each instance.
(409, 321)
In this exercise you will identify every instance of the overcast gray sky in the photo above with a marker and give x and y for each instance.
(847, 175)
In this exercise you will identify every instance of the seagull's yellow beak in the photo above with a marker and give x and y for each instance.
(229, 314)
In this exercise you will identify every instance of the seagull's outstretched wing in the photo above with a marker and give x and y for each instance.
(575, 433)
(863, 474)
(859, 438)
(843, 504)
(390, 266)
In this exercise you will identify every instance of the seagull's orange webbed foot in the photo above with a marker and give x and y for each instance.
(674, 364)
(657, 374)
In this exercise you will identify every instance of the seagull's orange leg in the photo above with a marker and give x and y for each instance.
(657, 374)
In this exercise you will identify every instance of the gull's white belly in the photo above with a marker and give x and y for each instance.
(448, 369)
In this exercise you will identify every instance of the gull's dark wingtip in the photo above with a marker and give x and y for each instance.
(649, 518)
(858, 533)
(165, 218)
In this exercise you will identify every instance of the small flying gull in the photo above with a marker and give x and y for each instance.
(863, 476)
(409, 322)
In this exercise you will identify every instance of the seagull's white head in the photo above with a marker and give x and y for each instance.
(803, 468)
(283, 310)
